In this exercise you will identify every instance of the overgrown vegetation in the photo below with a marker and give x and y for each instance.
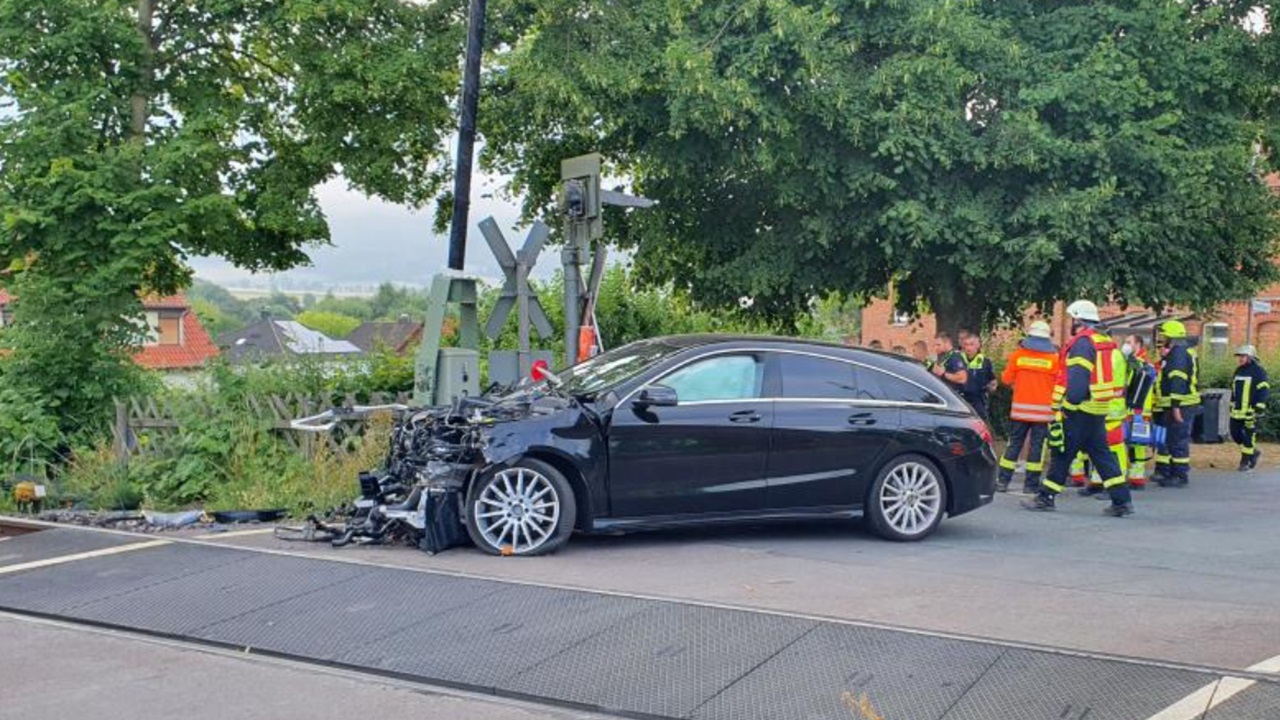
(227, 455)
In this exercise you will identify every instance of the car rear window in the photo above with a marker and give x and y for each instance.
(877, 385)
(816, 378)
(808, 377)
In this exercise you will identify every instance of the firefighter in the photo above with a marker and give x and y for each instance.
(1117, 416)
(1031, 371)
(949, 363)
(1250, 391)
(1177, 398)
(1139, 395)
(1088, 382)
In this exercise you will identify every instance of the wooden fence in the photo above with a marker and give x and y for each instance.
(146, 425)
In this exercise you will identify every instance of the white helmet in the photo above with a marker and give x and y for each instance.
(1040, 329)
(1249, 350)
(1083, 310)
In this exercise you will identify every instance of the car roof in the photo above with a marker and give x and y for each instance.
(703, 339)
(879, 358)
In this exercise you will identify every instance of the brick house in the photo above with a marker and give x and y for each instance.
(1228, 325)
(177, 343)
(1225, 327)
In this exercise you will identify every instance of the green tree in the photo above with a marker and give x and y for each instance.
(977, 156)
(352, 306)
(217, 307)
(334, 325)
(139, 132)
(213, 318)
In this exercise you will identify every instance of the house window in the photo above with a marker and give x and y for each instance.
(1218, 336)
(170, 329)
(900, 319)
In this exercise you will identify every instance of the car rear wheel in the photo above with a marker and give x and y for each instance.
(907, 500)
(524, 509)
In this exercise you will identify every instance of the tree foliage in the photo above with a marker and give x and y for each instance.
(976, 156)
(138, 133)
(335, 325)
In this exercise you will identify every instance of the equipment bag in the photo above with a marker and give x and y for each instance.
(444, 528)
(1144, 432)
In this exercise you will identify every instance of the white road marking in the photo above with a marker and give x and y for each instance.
(1200, 702)
(34, 564)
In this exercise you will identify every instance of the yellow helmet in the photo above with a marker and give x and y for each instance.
(1173, 329)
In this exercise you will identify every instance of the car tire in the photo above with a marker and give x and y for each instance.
(526, 508)
(908, 499)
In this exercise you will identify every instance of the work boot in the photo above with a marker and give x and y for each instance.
(1246, 464)
(1042, 502)
(1253, 459)
(1030, 487)
(1160, 479)
(1119, 511)
(1179, 481)
(1002, 485)
(1090, 490)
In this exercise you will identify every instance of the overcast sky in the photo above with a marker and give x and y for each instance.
(375, 241)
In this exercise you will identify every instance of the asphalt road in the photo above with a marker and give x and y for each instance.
(50, 671)
(1193, 577)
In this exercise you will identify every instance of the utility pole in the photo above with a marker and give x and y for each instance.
(442, 375)
(466, 135)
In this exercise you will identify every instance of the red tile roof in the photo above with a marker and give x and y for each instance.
(196, 350)
(167, 302)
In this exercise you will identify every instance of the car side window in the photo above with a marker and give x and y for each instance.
(723, 377)
(808, 377)
(877, 385)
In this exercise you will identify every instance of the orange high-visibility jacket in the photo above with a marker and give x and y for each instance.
(1032, 374)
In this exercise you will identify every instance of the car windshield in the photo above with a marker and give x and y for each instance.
(607, 370)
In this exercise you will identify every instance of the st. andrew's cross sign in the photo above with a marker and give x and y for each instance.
(516, 291)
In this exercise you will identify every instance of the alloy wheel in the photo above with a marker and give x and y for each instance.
(911, 498)
(517, 509)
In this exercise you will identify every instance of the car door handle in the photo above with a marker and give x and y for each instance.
(862, 419)
(745, 416)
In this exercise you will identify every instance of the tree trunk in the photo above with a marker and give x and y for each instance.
(956, 311)
(141, 98)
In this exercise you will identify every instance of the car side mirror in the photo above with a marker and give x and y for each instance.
(657, 396)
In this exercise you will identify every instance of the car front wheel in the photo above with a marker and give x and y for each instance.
(524, 509)
(907, 500)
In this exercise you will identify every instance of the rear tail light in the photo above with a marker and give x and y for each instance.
(981, 428)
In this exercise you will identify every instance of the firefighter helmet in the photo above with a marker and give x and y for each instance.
(1173, 329)
(1083, 310)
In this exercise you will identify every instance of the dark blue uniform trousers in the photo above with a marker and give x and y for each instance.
(1087, 433)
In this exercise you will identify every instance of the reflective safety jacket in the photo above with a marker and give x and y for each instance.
(1032, 374)
(980, 374)
(1091, 376)
(1179, 378)
(1250, 390)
